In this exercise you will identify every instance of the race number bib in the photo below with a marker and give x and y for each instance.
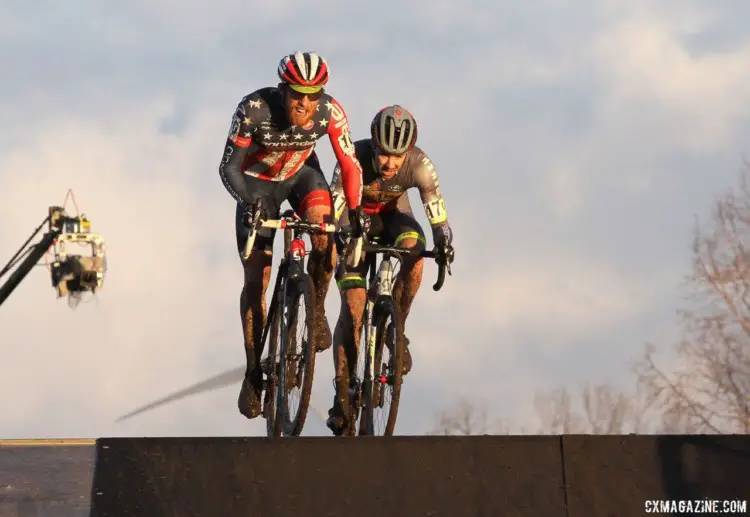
(435, 211)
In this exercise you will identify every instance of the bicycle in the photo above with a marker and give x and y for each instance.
(382, 329)
(290, 361)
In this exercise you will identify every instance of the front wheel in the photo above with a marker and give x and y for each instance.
(296, 356)
(383, 392)
(271, 371)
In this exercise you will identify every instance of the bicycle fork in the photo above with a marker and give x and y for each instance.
(381, 287)
(289, 270)
(293, 271)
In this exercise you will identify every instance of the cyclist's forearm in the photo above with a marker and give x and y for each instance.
(230, 171)
(343, 149)
(434, 209)
(339, 204)
(351, 178)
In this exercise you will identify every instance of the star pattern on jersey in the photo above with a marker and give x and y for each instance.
(276, 140)
(296, 134)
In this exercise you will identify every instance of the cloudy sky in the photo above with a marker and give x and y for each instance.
(575, 143)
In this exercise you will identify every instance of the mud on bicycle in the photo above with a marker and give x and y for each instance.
(379, 375)
(289, 363)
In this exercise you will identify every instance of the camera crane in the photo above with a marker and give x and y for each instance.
(72, 275)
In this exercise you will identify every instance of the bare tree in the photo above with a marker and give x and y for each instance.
(556, 413)
(464, 417)
(708, 390)
(595, 409)
(598, 409)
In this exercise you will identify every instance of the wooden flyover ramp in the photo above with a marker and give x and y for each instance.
(414, 476)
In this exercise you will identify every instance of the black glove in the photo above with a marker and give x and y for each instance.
(442, 236)
(248, 212)
(246, 216)
(359, 222)
(340, 241)
(448, 254)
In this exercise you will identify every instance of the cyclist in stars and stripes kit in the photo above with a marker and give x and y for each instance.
(269, 156)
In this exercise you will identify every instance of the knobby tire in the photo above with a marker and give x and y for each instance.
(355, 423)
(385, 313)
(302, 287)
(272, 376)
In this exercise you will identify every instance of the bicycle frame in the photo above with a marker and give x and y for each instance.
(290, 271)
(379, 291)
(382, 286)
(291, 266)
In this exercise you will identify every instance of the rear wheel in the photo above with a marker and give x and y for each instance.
(382, 394)
(297, 356)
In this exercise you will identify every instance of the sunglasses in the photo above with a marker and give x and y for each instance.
(294, 94)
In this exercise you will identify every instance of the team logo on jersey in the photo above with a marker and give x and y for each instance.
(234, 128)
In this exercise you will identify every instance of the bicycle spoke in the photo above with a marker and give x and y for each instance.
(299, 356)
(383, 385)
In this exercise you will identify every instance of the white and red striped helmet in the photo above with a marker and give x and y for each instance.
(305, 72)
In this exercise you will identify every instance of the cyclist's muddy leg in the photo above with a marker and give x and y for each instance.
(407, 285)
(253, 313)
(407, 233)
(346, 338)
(310, 196)
(253, 304)
(409, 280)
(320, 267)
(257, 272)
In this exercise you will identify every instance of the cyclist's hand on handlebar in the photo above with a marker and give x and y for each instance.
(247, 217)
(359, 221)
(445, 256)
(447, 253)
(341, 239)
(249, 211)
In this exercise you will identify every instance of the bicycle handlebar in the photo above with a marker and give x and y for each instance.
(399, 252)
(281, 224)
(288, 220)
